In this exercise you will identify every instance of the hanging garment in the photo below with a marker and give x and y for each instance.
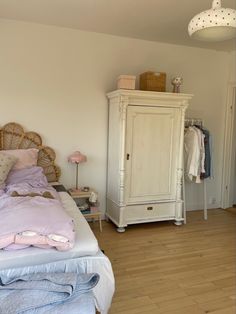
(201, 138)
(207, 164)
(194, 154)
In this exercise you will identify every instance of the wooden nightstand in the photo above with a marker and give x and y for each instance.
(92, 212)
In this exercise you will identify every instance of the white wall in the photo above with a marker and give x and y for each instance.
(54, 81)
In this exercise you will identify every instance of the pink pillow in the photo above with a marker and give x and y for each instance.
(25, 157)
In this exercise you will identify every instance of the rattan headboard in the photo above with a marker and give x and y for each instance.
(13, 136)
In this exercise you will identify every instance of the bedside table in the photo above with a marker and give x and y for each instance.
(92, 212)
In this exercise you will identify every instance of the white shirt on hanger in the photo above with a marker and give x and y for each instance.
(194, 153)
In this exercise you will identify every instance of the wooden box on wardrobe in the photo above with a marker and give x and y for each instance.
(145, 151)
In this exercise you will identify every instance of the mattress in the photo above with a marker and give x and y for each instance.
(85, 244)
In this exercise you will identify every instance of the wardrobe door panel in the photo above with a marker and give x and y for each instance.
(150, 153)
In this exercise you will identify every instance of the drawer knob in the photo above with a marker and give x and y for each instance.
(149, 208)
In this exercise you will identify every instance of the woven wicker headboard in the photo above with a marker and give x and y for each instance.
(13, 136)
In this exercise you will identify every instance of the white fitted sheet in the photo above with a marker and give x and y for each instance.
(85, 244)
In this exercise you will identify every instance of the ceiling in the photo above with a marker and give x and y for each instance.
(155, 20)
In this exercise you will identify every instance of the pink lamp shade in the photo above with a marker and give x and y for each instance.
(77, 157)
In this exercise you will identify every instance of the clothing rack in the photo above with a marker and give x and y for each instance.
(191, 122)
(197, 122)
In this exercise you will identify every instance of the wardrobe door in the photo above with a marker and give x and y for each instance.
(151, 150)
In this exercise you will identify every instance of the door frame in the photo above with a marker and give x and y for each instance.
(228, 145)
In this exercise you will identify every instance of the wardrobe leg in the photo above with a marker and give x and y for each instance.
(120, 229)
(178, 223)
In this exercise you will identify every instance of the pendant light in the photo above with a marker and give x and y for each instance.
(216, 24)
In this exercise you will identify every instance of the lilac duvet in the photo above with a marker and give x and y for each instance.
(32, 214)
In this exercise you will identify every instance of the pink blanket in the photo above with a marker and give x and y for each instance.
(37, 220)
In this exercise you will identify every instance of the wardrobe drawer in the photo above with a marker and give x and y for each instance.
(150, 211)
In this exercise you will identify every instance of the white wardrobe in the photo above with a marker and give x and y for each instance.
(145, 151)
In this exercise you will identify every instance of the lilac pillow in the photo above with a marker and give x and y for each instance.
(25, 157)
(33, 175)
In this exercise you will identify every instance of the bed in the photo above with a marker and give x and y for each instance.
(85, 256)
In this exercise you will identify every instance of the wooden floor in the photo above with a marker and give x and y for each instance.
(160, 268)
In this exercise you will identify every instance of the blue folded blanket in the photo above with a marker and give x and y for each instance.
(43, 292)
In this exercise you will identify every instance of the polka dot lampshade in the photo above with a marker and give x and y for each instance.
(216, 24)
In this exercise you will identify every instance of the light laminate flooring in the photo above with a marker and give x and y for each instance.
(161, 268)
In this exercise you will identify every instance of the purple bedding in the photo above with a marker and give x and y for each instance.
(30, 217)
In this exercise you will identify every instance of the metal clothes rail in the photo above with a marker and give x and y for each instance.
(197, 122)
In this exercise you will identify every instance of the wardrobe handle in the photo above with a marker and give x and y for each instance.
(150, 208)
(127, 156)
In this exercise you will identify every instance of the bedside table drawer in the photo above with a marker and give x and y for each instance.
(150, 211)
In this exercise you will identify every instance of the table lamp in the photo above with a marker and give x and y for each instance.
(77, 158)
